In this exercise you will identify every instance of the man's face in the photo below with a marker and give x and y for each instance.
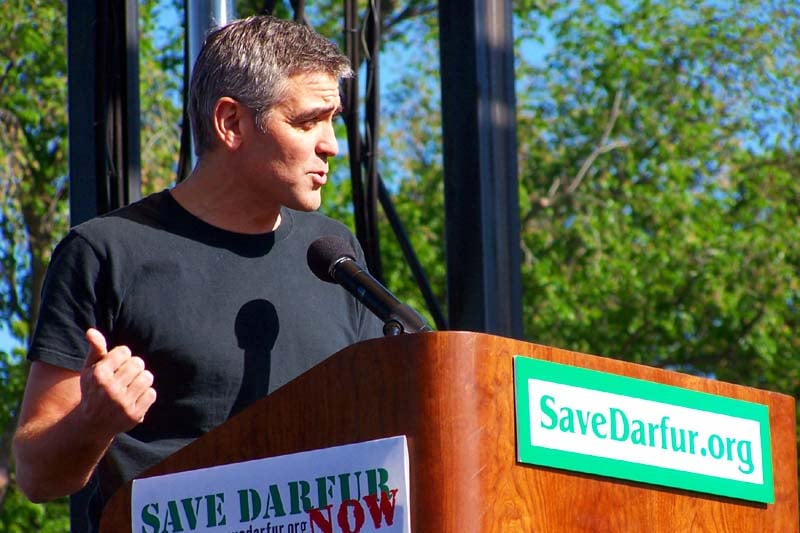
(288, 161)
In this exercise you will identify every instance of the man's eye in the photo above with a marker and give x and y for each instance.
(308, 124)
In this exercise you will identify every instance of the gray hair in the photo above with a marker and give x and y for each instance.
(251, 61)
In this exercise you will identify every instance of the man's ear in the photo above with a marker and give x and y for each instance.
(228, 117)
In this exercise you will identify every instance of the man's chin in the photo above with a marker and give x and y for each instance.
(307, 204)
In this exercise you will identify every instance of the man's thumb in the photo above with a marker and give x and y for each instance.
(97, 346)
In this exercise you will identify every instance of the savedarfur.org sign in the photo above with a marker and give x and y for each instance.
(358, 488)
(589, 421)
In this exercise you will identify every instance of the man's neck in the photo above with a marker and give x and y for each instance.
(213, 195)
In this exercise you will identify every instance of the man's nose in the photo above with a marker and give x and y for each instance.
(328, 145)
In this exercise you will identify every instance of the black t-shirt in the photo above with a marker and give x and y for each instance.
(220, 318)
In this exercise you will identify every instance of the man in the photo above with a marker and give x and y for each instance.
(162, 319)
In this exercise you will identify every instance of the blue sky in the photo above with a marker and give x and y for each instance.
(7, 342)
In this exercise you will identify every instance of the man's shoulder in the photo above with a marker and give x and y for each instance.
(146, 214)
(122, 232)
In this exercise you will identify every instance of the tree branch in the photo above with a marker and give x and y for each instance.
(603, 146)
(561, 188)
(409, 12)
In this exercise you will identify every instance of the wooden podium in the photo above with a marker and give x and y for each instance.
(452, 395)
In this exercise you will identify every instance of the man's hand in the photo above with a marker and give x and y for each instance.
(116, 389)
(69, 419)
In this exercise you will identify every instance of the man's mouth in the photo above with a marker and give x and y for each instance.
(319, 177)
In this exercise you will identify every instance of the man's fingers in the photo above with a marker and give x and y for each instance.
(141, 384)
(115, 384)
(145, 400)
(127, 369)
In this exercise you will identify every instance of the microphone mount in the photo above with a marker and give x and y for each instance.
(398, 318)
(332, 259)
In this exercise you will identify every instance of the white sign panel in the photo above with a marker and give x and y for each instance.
(354, 488)
(647, 432)
(599, 423)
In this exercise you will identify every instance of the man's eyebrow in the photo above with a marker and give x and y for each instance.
(315, 112)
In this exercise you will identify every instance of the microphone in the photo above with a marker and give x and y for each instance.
(333, 260)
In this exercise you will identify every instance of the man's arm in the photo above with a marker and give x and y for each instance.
(69, 419)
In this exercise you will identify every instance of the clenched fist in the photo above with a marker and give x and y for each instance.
(116, 388)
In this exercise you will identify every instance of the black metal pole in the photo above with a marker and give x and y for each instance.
(104, 148)
(372, 40)
(351, 119)
(103, 87)
(480, 165)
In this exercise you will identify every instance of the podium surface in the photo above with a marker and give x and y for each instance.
(452, 395)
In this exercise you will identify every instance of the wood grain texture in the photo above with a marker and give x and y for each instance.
(452, 395)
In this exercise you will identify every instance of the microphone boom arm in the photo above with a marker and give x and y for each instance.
(398, 318)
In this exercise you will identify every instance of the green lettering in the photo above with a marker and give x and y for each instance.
(598, 420)
(325, 489)
(716, 447)
(377, 481)
(274, 503)
(344, 485)
(618, 417)
(191, 511)
(249, 498)
(663, 428)
(638, 435)
(298, 496)
(653, 428)
(583, 422)
(173, 518)
(567, 423)
(548, 412)
(677, 444)
(745, 453)
(150, 518)
(214, 509)
(730, 441)
(692, 437)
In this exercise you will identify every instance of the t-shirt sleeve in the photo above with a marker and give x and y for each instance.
(69, 305)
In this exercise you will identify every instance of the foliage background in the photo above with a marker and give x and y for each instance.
(658, 163)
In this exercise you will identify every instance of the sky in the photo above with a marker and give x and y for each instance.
(7, 342)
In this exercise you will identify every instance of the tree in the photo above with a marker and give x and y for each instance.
(34, 185)
(661, 144)
(658, 142)
(33, 144)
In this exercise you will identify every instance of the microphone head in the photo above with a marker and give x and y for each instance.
(324, 252)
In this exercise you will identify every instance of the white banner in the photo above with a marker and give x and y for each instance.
(360, 487)
(614, 426)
